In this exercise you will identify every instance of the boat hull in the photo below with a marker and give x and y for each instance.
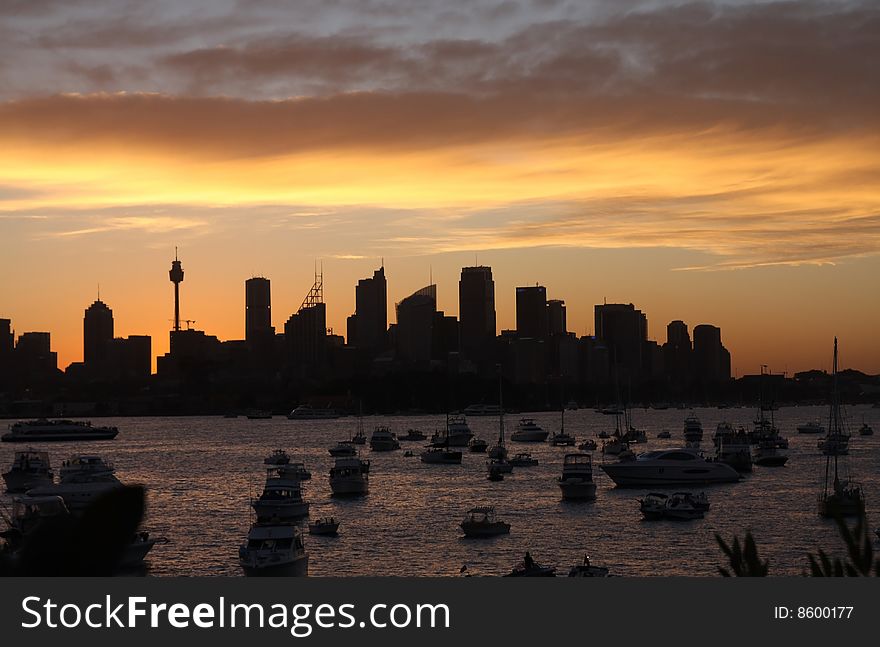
(483, 531)
(631, 474)
(577, 490)
(17, 482)
(298, 567)
(13, 437)
(272, 510)
(345, 487)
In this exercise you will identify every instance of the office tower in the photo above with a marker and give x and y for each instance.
(130, 358)
(33, 357)
(257, 310)
(476, 311)
(415, 325)
(97, 335)
(623, 330)
(556, 322)
(677, 353)
(176, 276)
(531, 312)
(305, 332)
(711, 359)
(368, 326)
(7, 345)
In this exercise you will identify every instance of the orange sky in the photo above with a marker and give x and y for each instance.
(717, 166)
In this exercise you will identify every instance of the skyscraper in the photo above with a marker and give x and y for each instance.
(476, 310)
(677, 352)
(305, 332)
(176, 276)
(257, 310)
(711, 358)
(556, 323)
(531, 312)
(368, 326)
(415, 325)
(624, 330)
(97, 335)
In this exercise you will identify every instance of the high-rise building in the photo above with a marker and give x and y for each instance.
(678, 353)
(7, 346)
(623, 329)
(556, 323)
(531, 312)
(33, 357)
(176, 276)
(97, 335)
(305, 332)
(368, 326)
(415, 325)
(257, 310)
(476, 311)
(711, 358)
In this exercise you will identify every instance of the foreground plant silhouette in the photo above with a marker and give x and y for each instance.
(859, 561)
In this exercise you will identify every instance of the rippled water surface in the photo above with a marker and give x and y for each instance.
(200, 473)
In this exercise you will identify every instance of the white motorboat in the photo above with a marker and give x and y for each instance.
(457, 434)
(383, 440)
(733, 447)
(576, 481)
(30, 469)
(681, 507)
(523, 460)
(481, 522)
(305, 412)
(281, 499)
(277, 457)
(812, 427)
(274, 550)
(693, 429)
(44, 430)
(82, 479)
(350, 477)
(327, 526)
(669, 467)
(528, 431)
(343, 448)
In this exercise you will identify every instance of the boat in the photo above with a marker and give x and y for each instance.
(343, 448)
(812, 427)
(281, 499)
(834, 445)
(653, 506)
(494, 474)
(523, 460)
(528, 431)
(294, 471)
(350, 476)
(274, 550)
(604, 435)
(614, 446)
(30, 469)
(327, 526)
(44, 430)
(482, 410)
(866, 430)
(499, 450)
(136, 552)
(482, 522)
(767, 454)
(682, 507)
(664, 435)
(456, 434)
(765, 432)
(562, 438)
(477, 445)
(732, 447)
(258, 414)
(576, 481)
(500, 465)
(277, 457)
(680, 466)
(82, 479)
(412, 434)
(586, 569)
(360, 438)
(305, 412)
(441, 456)
(589, 445)
(693, 429)
(530, 568)
(383, 440)
(839, 496)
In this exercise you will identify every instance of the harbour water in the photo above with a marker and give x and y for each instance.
(200, 473)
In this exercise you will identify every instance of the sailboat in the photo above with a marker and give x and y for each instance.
(765, 436)
(840, 496)
(440, 453)
(499, 451)
(562, 438)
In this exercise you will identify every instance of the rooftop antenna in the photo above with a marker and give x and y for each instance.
(99, 291)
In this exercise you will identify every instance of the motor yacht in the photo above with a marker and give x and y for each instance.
(441, 456)
(562, 439)
(481, 522)
(413, 434)
(44, 430)
(360, 438)
(669, 467)
(576, 481)
(350, 476)
(327, 526)
(383, 440)
(767, 454)
(732, 447)
(30, 469)
(653, 506)
(478, 445)
(343, 448)
(82, 479)
(294, 471)
(528, 431)
(274, 550)
(305, 412)
(277, 457)
(281, 499)
(523, 460)
(693, 429)
(812, 427)
(682, 507)
(457, 434)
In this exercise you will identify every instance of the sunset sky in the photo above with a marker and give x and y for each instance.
(711, 162)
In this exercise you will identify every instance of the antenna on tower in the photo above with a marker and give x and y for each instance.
(99, 291)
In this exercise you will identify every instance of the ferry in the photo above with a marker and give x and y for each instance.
(43, 430)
